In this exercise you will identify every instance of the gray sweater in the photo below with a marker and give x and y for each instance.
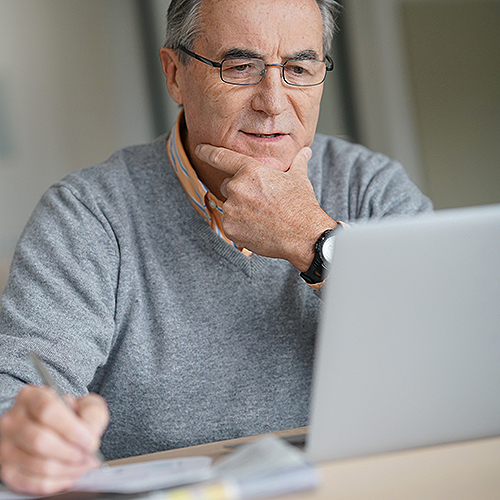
(124, 290)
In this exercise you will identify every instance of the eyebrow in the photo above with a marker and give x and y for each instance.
(240, 53)
(305, 54)
(247, 53)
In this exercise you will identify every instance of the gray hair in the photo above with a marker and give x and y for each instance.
(184, 24)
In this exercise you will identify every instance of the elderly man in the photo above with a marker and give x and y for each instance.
(175, 281)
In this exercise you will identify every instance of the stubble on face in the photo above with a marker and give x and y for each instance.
(270, 121)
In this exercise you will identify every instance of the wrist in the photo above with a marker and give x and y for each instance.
(317, 271)
(308, 231)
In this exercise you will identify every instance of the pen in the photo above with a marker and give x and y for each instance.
(49, 381)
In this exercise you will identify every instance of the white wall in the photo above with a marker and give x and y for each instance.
(72, 91)
(426, 79)
(453, 53)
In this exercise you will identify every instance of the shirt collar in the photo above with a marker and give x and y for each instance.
(205, 203)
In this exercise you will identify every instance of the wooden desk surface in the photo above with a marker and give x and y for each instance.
(458, 471)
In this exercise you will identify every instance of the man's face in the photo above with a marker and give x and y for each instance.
(270, 121)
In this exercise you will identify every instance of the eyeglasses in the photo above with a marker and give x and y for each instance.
(250, 70)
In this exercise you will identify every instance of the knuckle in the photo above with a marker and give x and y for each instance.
(8, 475)
(46, 468)
(94, 410)
(36, 402)
(4, 453)
(236, 187)
(230, 188)
(250, 167)
(228, 213)
(44, 409)
(5, 449)
(217, 156)
(29, 393)
(39, 442)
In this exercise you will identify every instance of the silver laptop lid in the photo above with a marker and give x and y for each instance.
(408, 352)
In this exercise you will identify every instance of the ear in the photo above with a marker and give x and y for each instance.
(171, 68)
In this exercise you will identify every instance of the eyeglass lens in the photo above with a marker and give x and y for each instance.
(248, 71)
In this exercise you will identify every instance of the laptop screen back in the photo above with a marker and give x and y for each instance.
(408, 352)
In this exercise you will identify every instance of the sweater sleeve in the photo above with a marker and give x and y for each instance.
(353, 183)
(60, 297)
(383, 189)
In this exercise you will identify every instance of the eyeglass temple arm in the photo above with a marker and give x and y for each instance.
(200, 58)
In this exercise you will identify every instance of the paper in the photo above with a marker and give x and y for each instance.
(6, 494)
(303, 478)
(263, 456)
(266, 466)
(146, 476)
(138, 478)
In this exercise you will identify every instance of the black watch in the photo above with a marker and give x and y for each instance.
(323, 253)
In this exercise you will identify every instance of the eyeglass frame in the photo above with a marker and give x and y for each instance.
(329, 65)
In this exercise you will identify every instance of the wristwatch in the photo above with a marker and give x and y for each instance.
(323, 254)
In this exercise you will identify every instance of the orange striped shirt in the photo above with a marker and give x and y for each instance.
(205, 203)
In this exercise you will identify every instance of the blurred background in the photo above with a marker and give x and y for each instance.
(418, 80)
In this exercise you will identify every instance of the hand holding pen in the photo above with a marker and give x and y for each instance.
(46, 444)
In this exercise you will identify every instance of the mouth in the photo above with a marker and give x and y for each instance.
(267, 148)
(264, 136)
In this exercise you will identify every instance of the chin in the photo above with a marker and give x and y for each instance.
(274, 163)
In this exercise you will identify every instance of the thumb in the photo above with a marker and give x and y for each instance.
(299, 163)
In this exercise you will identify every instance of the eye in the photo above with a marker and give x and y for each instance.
(298, 68)
(304, 72)
(239, 68)
(242, 71)
(239, 65)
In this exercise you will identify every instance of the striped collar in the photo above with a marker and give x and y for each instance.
(205, 203)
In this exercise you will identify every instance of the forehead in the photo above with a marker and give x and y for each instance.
(268, 27)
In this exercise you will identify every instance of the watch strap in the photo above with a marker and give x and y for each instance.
(318, 269)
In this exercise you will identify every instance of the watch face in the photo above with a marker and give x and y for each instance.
(327, 249)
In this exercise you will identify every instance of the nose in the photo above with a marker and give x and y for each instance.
(271, 93)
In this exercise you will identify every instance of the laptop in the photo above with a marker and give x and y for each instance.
(408, 353)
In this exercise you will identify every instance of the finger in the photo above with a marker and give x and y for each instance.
(301, 159)
(25, 474)
(93, 409)
(223, 187)
(22, 483)
(17, 459)
(33, 439)
(222, 159)
(44, 407)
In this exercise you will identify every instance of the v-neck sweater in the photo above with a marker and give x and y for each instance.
(123, 289)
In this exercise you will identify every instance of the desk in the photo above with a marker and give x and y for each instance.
(458, 471)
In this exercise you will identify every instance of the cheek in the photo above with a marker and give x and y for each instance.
(213, 116)
(214, 105)
(307, 111)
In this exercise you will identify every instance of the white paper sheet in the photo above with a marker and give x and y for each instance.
(146, 476)
(266, 466)
(137, 478)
